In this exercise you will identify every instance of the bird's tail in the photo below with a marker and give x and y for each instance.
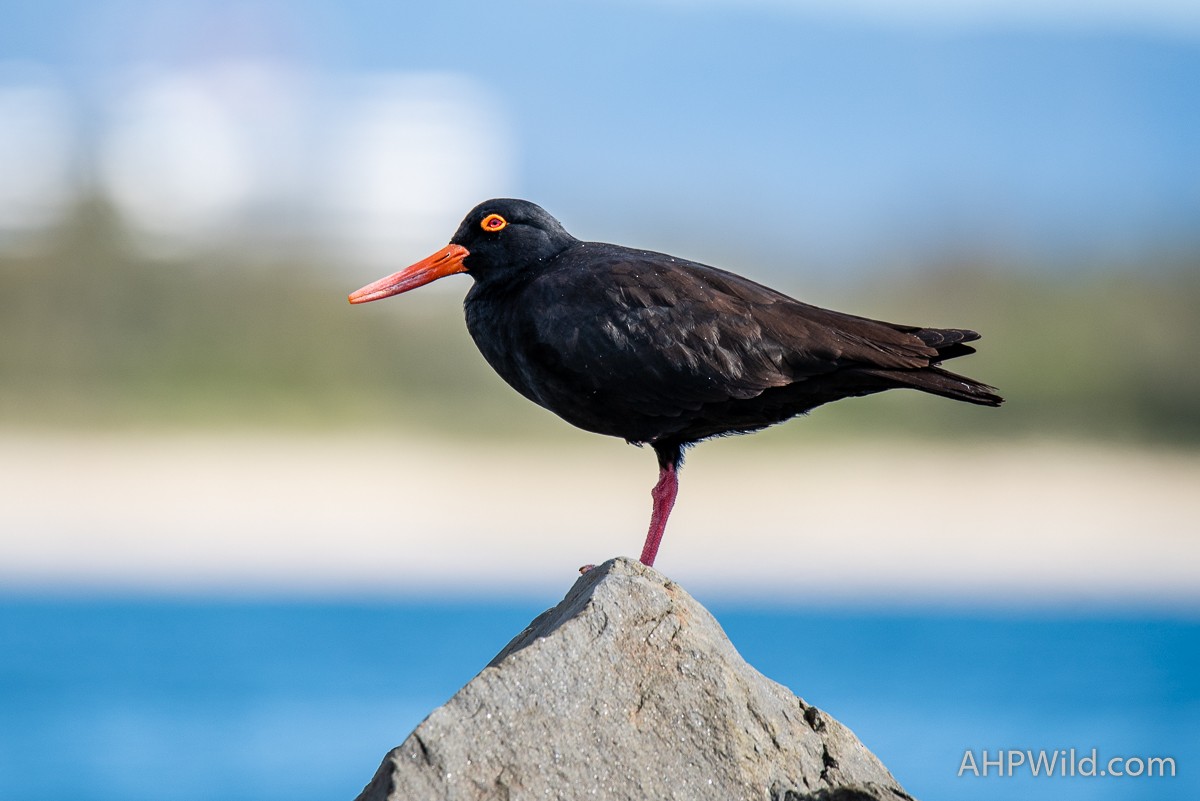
(937, 381)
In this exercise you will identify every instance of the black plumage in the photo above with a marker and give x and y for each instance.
(664, 351)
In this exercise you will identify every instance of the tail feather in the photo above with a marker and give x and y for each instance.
(937, 381)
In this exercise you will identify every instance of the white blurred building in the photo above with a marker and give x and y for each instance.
(370, 168)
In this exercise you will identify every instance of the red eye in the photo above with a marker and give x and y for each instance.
(493, 222)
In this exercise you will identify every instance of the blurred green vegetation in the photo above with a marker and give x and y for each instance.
(96, 336)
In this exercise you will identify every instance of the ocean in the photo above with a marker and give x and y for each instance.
(170, 699)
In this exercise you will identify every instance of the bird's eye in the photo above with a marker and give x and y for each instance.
(493, 223)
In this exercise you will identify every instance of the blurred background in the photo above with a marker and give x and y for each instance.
(250, 536)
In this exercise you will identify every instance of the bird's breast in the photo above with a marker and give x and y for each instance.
(503, 331)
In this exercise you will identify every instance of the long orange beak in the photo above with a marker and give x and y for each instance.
(447, 261)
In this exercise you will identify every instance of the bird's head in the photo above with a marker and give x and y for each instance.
(497, 238)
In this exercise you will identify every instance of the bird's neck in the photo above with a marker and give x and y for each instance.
(505, 279)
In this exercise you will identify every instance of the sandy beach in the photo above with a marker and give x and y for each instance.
(1013, 524)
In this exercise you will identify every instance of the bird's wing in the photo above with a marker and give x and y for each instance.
(664, 334)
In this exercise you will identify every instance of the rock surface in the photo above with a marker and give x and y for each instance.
(628, 689)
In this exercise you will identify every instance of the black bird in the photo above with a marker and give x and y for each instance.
(660, 350)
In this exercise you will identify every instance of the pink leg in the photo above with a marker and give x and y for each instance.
(664, 498)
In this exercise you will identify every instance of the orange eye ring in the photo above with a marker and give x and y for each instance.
(493, 223)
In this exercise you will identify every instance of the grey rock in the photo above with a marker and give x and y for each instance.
(628, 689)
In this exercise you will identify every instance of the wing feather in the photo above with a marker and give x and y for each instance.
(670, 336)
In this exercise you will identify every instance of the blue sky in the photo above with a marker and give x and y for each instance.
(780, 131)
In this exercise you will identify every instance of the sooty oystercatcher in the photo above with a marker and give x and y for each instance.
(660, 350)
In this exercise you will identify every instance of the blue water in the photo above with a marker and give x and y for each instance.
(174, 700)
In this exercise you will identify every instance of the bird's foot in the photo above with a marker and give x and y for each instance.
(585, 569)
